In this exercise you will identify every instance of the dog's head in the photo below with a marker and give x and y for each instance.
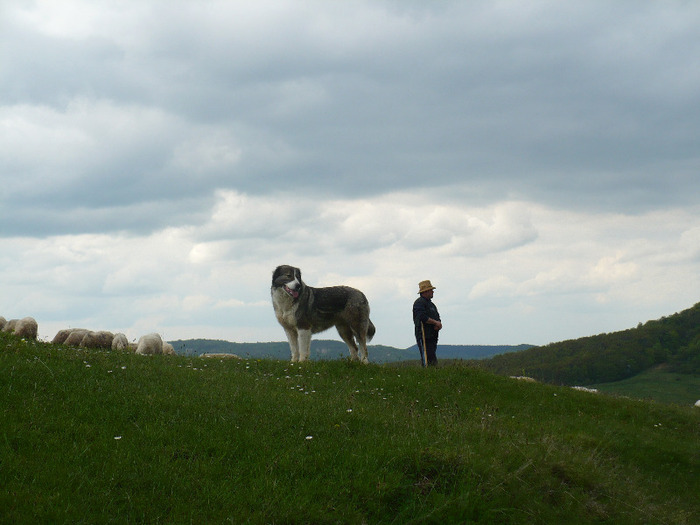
(289, 279)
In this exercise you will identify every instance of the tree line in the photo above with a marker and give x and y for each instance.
(603, 358)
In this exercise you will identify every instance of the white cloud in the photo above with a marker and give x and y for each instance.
(494, 286)
(612, 269)
(538, 162)
(689, 243)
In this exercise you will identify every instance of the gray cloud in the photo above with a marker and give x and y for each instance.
(560, 102)
(495, 144)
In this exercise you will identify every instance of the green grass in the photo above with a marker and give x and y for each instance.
(657, 384)
(103, 437)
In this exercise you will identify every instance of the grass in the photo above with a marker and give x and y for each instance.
(111, 437)
(657, 384)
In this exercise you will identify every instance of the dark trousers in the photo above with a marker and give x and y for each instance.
(427, 354)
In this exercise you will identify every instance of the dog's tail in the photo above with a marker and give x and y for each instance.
(370, 331)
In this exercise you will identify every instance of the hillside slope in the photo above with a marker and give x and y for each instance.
(94, 436)
(672, 340)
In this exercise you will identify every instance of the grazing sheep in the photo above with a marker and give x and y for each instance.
(27, 328)
(3, 322)
(75, 337)
(585, 389)
(524, 378)
(697, 403)
(120, 342)
(61, 336)
(150, 344)
(10, 325)
(101, 339)
(168, 349)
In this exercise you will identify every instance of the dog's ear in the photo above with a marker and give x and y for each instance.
(280, 274)
(297, 274)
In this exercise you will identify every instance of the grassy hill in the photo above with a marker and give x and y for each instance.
(658, 384)
(95, 436)
(673, 341)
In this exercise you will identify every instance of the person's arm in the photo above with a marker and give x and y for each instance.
(420, 312)
(437, 324)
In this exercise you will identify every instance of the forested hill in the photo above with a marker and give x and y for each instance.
(329, 349)
(672, 340)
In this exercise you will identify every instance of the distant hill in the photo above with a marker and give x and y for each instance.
(329, 349)
(673, 341)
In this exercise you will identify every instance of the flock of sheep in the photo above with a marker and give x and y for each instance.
(150, 344)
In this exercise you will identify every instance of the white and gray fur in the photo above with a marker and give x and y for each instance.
(304, 310)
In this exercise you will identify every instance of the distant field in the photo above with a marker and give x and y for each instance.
(658, 385)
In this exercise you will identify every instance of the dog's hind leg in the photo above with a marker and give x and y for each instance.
(362, 340)
(361, 336)
(304, 344)
(345, 333)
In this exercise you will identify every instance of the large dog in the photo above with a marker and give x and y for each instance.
(303, 310)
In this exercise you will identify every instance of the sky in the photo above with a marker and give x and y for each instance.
(538, 161)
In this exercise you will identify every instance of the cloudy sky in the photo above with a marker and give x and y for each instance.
(539, 161)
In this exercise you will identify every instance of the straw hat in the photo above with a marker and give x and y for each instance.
(425, 286)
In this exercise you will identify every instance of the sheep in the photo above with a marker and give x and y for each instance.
(524, 378)
(3, 322)
(61, 336)
(120, 342)
(168, 349)
(27, 328)
(101, 339)
(585, 389)
(75, 337)
(150, 344)
(697, 403)
(10, 325)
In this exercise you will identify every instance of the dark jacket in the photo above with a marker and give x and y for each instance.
(422, 310)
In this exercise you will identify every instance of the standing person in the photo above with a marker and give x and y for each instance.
(426, 320)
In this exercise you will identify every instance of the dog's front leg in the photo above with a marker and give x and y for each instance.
(293, 338)
(304, 344)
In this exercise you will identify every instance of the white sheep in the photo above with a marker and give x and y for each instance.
(524, 378)
(101, 339)
(3, 322)
(61, 336)
(168, 349)
(221, 356)
(26, 327)
(75, 337)
(697, 403)
(120, 342)
(585, 389)
(150, 344)
(10, 326)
